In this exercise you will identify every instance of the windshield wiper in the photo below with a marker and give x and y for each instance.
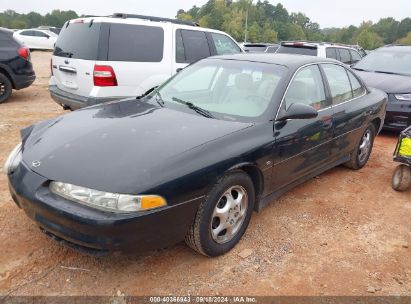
(385, 72)
(192, 106)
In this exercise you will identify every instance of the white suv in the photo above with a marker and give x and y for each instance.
(343, 53)
(97, 59)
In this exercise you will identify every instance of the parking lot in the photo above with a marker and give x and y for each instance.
(342, 233)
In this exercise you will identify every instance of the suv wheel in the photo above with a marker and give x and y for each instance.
(5, 88)
(223, 217)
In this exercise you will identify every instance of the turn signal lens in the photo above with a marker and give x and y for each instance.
(405, 147)
(152, 201)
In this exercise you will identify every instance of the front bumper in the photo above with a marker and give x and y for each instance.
(398, 115)
(74, 101)
(95, 229)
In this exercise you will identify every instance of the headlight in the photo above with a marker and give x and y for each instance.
(13, 160)
(108, 201)
(403, 97)
(405, 147)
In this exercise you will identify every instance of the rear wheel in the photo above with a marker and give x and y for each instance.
(5, 88)
(362, 151)
(401, 179)
(223, 217)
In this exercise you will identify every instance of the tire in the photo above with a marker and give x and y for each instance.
(5, 88)
(209, 234)
(362, 153)
(401, 178)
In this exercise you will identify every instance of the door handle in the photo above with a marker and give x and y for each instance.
(179, 70)
(67, 69)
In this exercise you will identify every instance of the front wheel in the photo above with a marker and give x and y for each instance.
(363, 149)
(223, 217)
(401, 179)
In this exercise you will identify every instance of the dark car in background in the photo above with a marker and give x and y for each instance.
(16, 70)
(389, 69)
(193, 159)
(260, 47)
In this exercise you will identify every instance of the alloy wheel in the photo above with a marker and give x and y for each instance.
(229, 214)
(365, 146)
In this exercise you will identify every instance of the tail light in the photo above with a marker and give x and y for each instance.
(24, 53)
(104, 76)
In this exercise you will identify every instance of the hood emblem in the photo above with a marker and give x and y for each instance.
(36, 164)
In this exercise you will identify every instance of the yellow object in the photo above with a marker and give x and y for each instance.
(405, 147)
(152, 201)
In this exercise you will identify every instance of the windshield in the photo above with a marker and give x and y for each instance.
(225, 89)
(386, 61)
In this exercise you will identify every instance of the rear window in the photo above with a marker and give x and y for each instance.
(138, 43)
(301, 50)
(79, 41)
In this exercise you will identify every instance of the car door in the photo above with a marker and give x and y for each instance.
(303, 145)
(191, 46)
(347, 93)
(41, 40)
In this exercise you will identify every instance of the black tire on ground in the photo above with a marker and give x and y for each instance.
(359, 160)
(401, 178)
(202, 235)
(5, 87)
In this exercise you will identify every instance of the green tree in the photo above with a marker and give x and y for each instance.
(268, 33)
(387, 28)
(369, 40)
(405, 40)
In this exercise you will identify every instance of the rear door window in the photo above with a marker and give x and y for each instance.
(357, 88)
(138, 43)
(27, 33)
(40, 34)
(192, 46)
(345, 56)
(224, 44)
(78, 41)
(338, 82)
(355, 56)
(331, 53)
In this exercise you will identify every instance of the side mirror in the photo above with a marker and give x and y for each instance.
(297, 111)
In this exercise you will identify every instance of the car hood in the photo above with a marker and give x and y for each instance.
(119, 145)
(394, 84)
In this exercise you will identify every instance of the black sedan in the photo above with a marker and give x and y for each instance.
(193, 159)
(389, 69)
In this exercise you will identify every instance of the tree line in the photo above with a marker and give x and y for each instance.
(266, 23)
(273, 23)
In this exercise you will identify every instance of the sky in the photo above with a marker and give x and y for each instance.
(327, 13)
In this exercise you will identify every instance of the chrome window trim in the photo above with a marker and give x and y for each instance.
(318, 63)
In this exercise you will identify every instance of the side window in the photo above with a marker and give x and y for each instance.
(180, 53)
(331, 53)
(195, 46)
(357, 88)
(339, 83)
(355, 56)
(40, 34)
(138, 43)
(224, 45)
(307, 87)
(27, 33)
(344, 56)
(197, 81)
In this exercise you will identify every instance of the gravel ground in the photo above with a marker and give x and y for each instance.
(342, 233)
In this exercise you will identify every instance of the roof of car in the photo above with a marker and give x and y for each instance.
(396, 48)
(290, 60)
(5, 30)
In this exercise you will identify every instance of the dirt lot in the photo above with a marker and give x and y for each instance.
(342, 233)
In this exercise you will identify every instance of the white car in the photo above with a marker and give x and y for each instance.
(98, 59)
(36, 38)
(345, 54)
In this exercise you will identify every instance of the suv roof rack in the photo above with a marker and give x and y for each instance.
(152, 18)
